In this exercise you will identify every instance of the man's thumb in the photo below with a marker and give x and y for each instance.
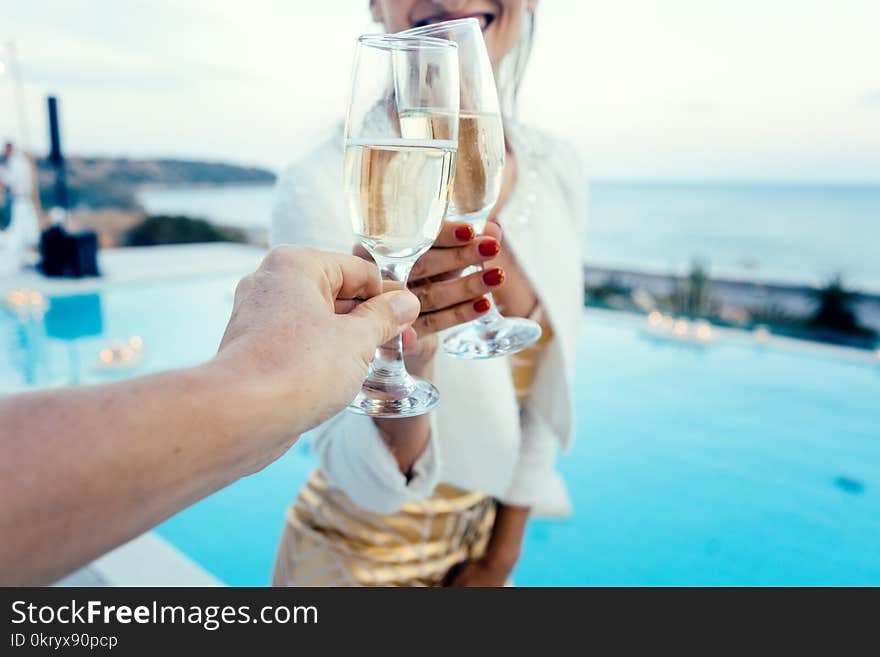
(386, 315)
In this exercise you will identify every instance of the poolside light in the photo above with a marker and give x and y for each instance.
(761, 333)
(26, 304)
(704, 331)
(655, 318)
(681, 327)
(14, 298)
(121, 354)
(877, 354)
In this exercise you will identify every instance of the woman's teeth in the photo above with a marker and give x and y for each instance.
(483, 19)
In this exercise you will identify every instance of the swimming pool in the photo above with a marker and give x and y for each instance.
(737, 463)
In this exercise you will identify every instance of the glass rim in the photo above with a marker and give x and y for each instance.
(445, 26)
(397, 42)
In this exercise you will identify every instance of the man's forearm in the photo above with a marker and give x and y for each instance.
(84, 469)
(127, 456)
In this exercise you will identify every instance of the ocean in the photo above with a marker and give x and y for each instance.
(793, 233)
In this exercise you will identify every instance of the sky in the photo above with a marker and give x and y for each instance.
(646, 89)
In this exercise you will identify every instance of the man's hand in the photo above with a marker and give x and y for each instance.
(303, 331)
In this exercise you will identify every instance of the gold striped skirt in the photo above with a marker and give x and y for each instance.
(330, 541)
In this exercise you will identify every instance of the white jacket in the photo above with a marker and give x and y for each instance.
(480, 440)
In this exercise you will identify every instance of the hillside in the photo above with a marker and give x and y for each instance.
(99, 182)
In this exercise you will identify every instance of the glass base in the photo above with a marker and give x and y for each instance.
(404, 397)
(501, 338)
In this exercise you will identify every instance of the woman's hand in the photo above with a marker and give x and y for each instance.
(448, 299)
(480, 572)
(502, 551)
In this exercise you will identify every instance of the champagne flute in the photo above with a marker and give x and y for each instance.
(401, 136)
(478, 177)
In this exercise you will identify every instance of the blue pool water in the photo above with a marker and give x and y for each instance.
(737, 464)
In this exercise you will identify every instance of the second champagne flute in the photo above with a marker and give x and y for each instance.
(398, 177)
(478, 177)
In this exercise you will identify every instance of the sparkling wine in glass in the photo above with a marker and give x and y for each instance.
(401, 138)
(478, 177)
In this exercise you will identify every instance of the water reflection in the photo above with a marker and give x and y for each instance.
(27, 350)
(37, 321)
(72, 318)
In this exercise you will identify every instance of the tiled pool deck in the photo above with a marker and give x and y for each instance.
(148, 560)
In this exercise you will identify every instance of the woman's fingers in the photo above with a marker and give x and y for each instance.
(361, 252)
(457, 247)
(410, 339)
(437, 296)
(443, 319)
(461, 248)
(457, 233)
(493, 229)
(438, 261)
(345, 306)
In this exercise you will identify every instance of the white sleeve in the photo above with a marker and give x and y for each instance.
(309, 211)
(536, 483)
(355, 459)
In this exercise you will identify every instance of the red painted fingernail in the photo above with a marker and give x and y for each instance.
(481, 305)
(489, 248)
(464, 233)
(494, 277)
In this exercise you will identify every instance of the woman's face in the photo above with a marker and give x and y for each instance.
(501, 20)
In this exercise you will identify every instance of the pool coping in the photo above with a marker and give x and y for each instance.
(148, 560)
(733, 335)
(133, 265)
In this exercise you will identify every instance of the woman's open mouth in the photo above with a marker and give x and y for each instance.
(483, 18)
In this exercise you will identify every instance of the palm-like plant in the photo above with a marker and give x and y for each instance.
(835, 308)
(693, 296)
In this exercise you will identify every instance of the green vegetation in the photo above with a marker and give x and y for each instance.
(834, 320)
(834, 309)
(693, 296)
(608, 292)
(774, 314)
(163, 229)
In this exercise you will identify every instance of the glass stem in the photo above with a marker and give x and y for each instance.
(388, 360)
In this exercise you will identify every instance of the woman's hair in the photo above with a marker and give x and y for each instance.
(512, 68)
